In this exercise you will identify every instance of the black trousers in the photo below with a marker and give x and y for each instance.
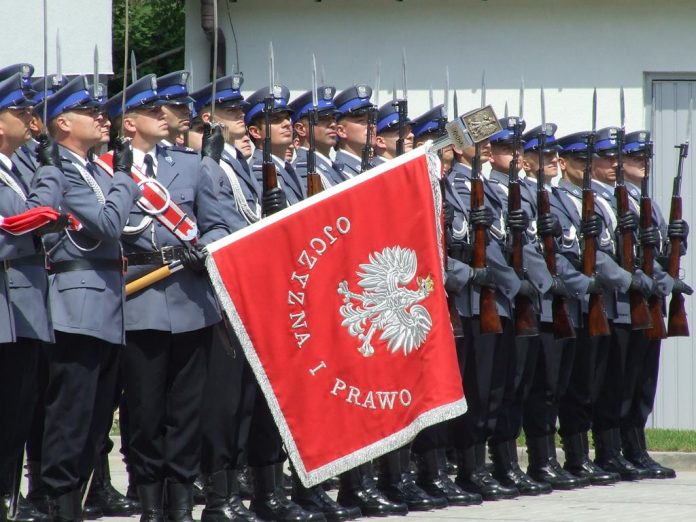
(228, 399)
(551, 377)
(481, 375)
(265, 446)
(164, 375)
(607, 410)
(35, 439)
(18, 397)
(587, 375)
(81, 385)
(642, 368)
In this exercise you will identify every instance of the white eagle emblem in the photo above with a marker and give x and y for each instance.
(386, 304)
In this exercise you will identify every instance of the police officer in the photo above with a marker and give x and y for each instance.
(86, 296)
(281, 139)
(173, 88)
(387, 133)
(25, 319)
(353, 108)
(325, 136)
(607, 411)
(169, 323)
(643, 358)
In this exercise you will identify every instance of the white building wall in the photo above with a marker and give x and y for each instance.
(569, 47)
(81, 24)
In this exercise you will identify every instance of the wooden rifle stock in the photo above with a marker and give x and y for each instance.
(314, 185)
(489, 318)
(526, 323)
(677, 322)
(640, 314)
(657, 330)
(562, 324)
(268, 171)
(596, 314)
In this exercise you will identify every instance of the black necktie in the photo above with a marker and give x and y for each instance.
(19, 179)
(149, 166)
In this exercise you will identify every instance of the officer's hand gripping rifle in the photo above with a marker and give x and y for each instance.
(677, 322)
(655, 302)
(640, 314)
(562, 323)
(526, 323)
(596, 314)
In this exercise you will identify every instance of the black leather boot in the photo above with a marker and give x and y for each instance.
(25, 512)
(473, 477)
(608, 455)
(578, 463)
(103, 496)
(398, 485)
(635, 451)
(151, 502)
(67, 507)
(433, 479)
(179, 502)
(219, 505)
(234, 498)
(269, 502)
(507, 471)
(360, 491)
(246, 482)
(543, 466)
(36, 492)
(198, 491)
(316, 500)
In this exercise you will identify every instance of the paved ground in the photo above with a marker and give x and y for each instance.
(654, 500)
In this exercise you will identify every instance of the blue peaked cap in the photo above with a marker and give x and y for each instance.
(432, 121)
(388, 116)
(574, 144)
(227, 93)
(531, 139)
(354, 100)
(303, 103)
(140, 94)
(12, 93)
(173, 88)
(506, 135)
(636, 141)
(76, 94)
(257, 102)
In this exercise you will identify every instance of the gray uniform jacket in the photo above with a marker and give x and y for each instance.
(184, 301)
(25, 160)
(506, 281)
(26, 275)
(90, 302)
(613, 277)
(223, 194)
(247, 191)
(325, 168)
(287, 178)
(350, 164)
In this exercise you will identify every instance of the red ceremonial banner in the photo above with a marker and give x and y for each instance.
(340, 307)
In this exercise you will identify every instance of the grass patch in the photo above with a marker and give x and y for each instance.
(657, 440)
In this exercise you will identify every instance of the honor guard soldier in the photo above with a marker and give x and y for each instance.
(281, 139)
(430, 444)
(325, 136)
(387, 133)
(24, 316)
(480, 358)
(225, 424)
(607, 410)
(86, 289)
(642, 364)
(590, 359)
(353, 108)
(173, 89)
(549, 359)
(169, 323)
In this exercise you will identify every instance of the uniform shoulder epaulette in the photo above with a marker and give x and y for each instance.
(257, 166)
(181, 148)
(301, 164)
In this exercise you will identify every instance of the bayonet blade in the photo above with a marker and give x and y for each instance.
(323, 75)
(506, 110)
(134, 67)
(315, 100)
(59, 60)
(622, 106)
(543, 109)
(521, 111)
(447, 87)
(483, 89)
(394, 93)
(95, 80)
(45, 59)
(688, 119)
(455, 105)
(594, 111)
(125, 62)
(430, 96)
(271, 68)
(378, 80)
(403, 74)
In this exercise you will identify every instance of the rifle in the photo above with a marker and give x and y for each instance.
(269, 173)
(401, 106)
(677, 323)
(640, 314)
(526, 323)
(313, 179)
(596, 314)
(655, 303)
(367, 149)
